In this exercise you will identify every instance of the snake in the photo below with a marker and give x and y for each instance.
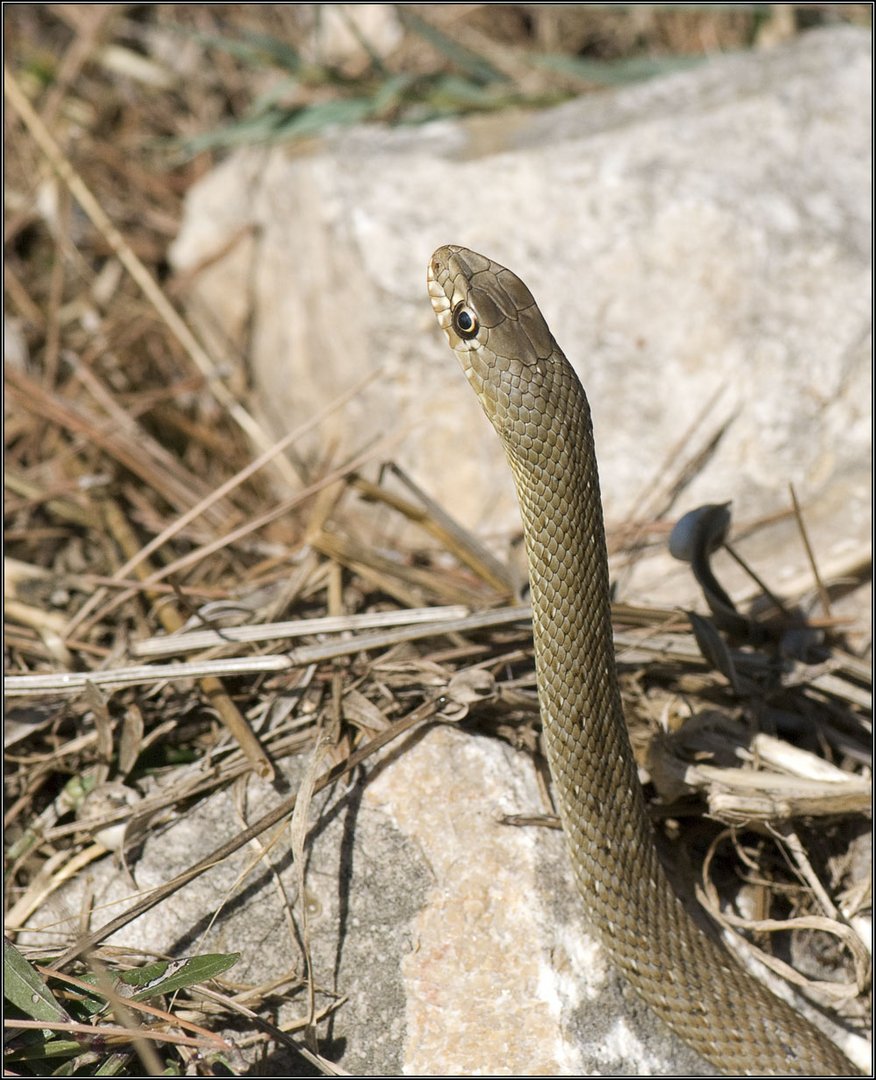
(537, 405)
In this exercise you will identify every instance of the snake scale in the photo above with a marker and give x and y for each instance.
(535, 402)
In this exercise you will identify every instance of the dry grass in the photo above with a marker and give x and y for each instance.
(133, 508)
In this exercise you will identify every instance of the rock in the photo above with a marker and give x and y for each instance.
(698, 244)
(502, 976)
(458, 941)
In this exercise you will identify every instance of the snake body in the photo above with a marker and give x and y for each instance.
(536, 403)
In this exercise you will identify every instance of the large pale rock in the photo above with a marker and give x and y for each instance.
(704, 234)
(502, 975)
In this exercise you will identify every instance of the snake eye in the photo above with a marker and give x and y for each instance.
(465, 322)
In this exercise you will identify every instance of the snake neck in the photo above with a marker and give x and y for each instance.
(582, 717)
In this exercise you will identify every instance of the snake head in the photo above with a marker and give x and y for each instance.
(498, 333)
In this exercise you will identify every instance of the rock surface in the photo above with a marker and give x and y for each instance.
(699, 245)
